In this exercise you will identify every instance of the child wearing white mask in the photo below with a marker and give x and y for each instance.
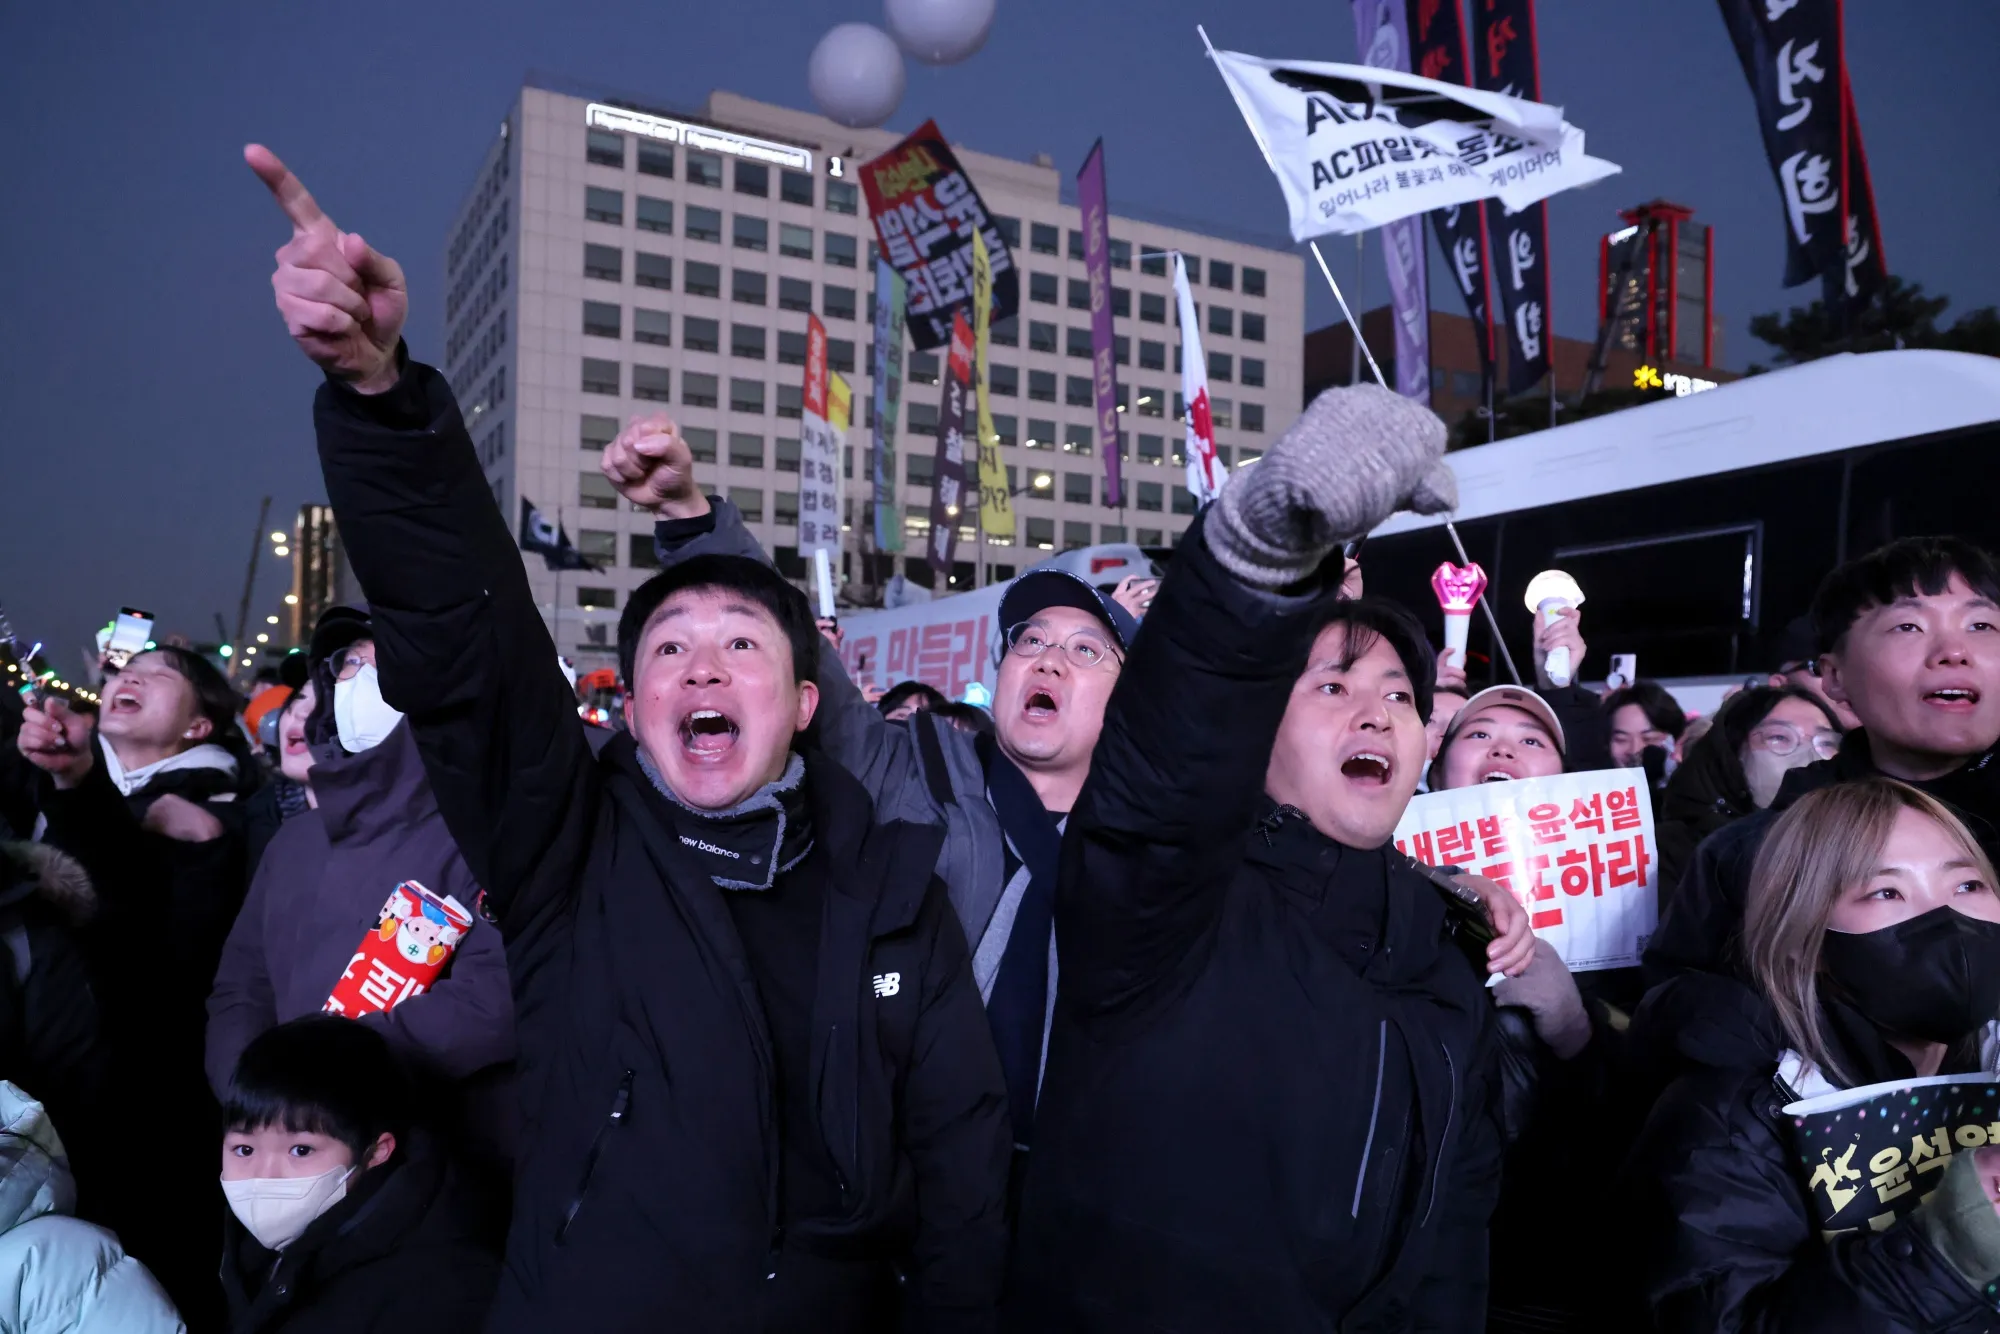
(337, 1195)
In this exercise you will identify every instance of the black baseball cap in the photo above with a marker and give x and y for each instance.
(338, 627)
(1038, 590)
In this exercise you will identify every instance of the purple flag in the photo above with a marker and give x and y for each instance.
(1097, 262)
(1381, 31)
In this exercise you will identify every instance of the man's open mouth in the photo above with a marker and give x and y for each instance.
(1040, 704)
(1368, 767)
(706, 733)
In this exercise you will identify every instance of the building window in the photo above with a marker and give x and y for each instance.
(1043, 239)
(746, 396)
(1076, 342)
(791, 348)
(1076, 488)
(1221, 366)
(1076, 438)
(1183, 500)
(699, 391)
(840, 250)
(598, 545)
(1006, 426)
(653, 270)
(1222, 275)
(787, 454)
(1041, 434)
(1121, 254)
(656, 159)
(604, 261)
(795, 294)
(923, 418)
(1075, 535)
(1042, 287)
(795, 187)
(1010, 230)
(919, 469)
(1193, 263)
(704, 279)
(700, 439)
(1152, 495)
(750, 233)
(785, 507)
(596, 598)
(704, 224)
(599, 376)
(1153, 262)
(1075, 244)
(750, 500)
(1222, 455)
(1152, 308)
(605, 148)
(1252, 418)
(792, 402)
(842, 197)
(1152, 402)
(1004, 381)
(700, 335)
(1253, 281)
(1039, 533)
(923, 368)
(745, 451)
(837, 303)
(1079, 294)
(1121, 302)
(1007, 332)
(654, 215)
(748, 286)
(601, 205)
(652, 326)
(1221, 320)
(601, 319)
(1121, 349)
(840, 354)
(753, 178)
(704, 169)
(598, 431)
(595, 492)
(746, 340)
(1042, 386)
(1041, 337)
(1078, 392)
(794, 241)
(1221, 411)
(640, 553)
(1111, 532)
(1148, 537)
(1253, 371)
(1253, 327)
(1152, 356)
(651, 382)
(1152, 449)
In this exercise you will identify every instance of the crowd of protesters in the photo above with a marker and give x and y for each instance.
(787, 1005)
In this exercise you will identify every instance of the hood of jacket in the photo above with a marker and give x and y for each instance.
(207, 756)
(1709, 789)
(39, 870)
(34, 1169)
(372, 795)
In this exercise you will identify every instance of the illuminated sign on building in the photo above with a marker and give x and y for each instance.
(602, 117)
(1673, 382)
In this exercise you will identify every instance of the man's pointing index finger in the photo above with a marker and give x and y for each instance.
(287, 189)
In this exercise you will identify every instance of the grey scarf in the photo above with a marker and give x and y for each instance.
(748, 845)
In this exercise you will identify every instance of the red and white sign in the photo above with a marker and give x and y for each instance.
(409, 948)
(1577, 850)
(947, 644)
(1204, 471)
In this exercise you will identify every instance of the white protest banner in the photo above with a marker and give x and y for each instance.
(1354, 147)
(1577, 850)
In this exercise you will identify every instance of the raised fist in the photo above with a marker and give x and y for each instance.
(343, 301)
(651, 466)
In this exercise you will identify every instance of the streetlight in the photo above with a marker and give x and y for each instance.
(270, 620)
(279, 538)
(281, 551)
(263, 639)
(291, 599)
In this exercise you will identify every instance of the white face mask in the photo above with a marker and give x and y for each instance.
(277, 1210)
(1765, 772)
(360, 714)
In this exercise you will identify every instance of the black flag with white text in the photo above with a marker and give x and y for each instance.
(1504, 61)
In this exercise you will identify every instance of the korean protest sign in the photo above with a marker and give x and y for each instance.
(1090, 202)
(1869, 1155)
(407, 950)
(996, 501)
(1507, 63)
(819, 455)
(886, 369)
(949, 493)
(1577, 850)
(925, 212)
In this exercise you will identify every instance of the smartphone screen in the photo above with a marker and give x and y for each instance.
(129, 634)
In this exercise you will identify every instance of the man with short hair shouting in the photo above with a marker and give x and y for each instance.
(760, 1094)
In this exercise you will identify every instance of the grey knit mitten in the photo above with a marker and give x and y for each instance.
(1356, 456)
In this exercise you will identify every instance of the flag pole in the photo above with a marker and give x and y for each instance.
(555, 627)
(1354, 326)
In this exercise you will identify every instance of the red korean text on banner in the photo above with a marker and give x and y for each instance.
(403, 955)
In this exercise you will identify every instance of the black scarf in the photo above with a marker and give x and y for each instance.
(751, 843)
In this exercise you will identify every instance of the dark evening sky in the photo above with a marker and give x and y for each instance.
(149, 394)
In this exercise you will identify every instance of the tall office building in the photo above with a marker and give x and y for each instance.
(613, 260)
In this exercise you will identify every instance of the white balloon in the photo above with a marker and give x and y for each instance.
(856, 75)
(939, 32)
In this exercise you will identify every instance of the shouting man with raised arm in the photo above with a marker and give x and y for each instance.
(760, 1094)
(1269, 1101)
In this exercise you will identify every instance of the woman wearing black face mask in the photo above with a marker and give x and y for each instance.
(1873, 936)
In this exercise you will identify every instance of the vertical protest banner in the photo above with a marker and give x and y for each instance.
(887, 369)
(925, 212)
(819, 456)
(1866, 271)
(948, 489)
(1577, 850)
(1438, 51)
(996, 503)
(1382, 36)
(1505, 61)
(1090, 200)
(1204, 471)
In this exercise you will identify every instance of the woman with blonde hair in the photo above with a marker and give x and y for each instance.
(1873, 940)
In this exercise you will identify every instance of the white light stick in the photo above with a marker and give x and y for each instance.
(1551, 593)
(823, 579)
(1458, 589)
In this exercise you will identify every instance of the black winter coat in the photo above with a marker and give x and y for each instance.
(50, 1031)
(648, 1194)
(399, 1254)
(1269, 1098)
